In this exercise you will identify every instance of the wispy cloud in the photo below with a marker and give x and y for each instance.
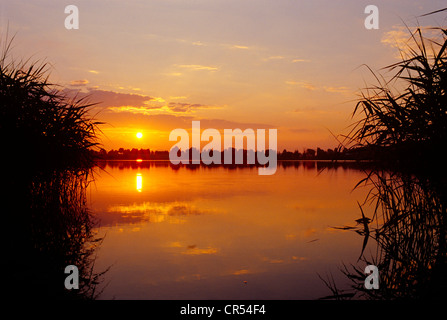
(178, 98)
(309, 86)
(79, 83)
(300, 60)
(237, 46)
(170, 108)
(198, 43)
(188, 107)
(107, 98)
(399, 37)
(174, 74)
(336, 89)
(146, 110)
(274, 58)
(396, 38)
(302, 84)
(158, 99)
(134, 103)
(198, 67)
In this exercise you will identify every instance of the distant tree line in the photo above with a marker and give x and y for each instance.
(131, 154)
(306, 154)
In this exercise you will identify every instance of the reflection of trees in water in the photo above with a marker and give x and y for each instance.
(285, 164)
(409, 226)
(53, 229)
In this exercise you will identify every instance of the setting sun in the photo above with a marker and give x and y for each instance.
(139, 135)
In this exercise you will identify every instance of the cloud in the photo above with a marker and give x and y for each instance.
(309, 86)
(171, 107)
(145, 117)
(400, 38)
(336, 89)
(198, 67)
(226, 124)
(79, 83)
(174, 74)
(178, 97)
(300, 60)
(396, 38)
(107, 98)
(302, 84)
(146, 110)
(236, 46)
(93, 71)
(120, 109)
(198, 43)
(274, 58)
(117, 102)
(187, 107)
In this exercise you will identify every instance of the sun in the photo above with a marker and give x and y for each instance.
(139, 135)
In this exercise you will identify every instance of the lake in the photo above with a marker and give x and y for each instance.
(224, 233)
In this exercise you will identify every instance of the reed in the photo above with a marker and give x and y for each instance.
(47, 143)
(409, 122)
(38, 122)
(408, 224)
(403, 127)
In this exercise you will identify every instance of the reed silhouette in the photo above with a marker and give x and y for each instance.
(411, 124)
(403, 133)
(408, 223)
(46, 172)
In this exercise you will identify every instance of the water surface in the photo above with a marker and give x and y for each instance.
(224, 233)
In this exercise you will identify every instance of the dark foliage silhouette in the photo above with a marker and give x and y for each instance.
(47, 168)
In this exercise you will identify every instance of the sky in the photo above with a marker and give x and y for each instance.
(297, 66)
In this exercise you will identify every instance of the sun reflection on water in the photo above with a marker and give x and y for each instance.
(139, 182)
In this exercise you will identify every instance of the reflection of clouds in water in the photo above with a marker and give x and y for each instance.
(150, 212)
(192, 249)
(232, 220)
(306, 233)
(199, 251)
(285, 260)
(309, 232)
(241, 272)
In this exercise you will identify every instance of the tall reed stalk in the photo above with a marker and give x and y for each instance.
(398, 125)
(39, 123)
(47, 139)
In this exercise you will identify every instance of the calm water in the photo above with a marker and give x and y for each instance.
(219, 233)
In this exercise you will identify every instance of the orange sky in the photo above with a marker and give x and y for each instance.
(157, 65)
